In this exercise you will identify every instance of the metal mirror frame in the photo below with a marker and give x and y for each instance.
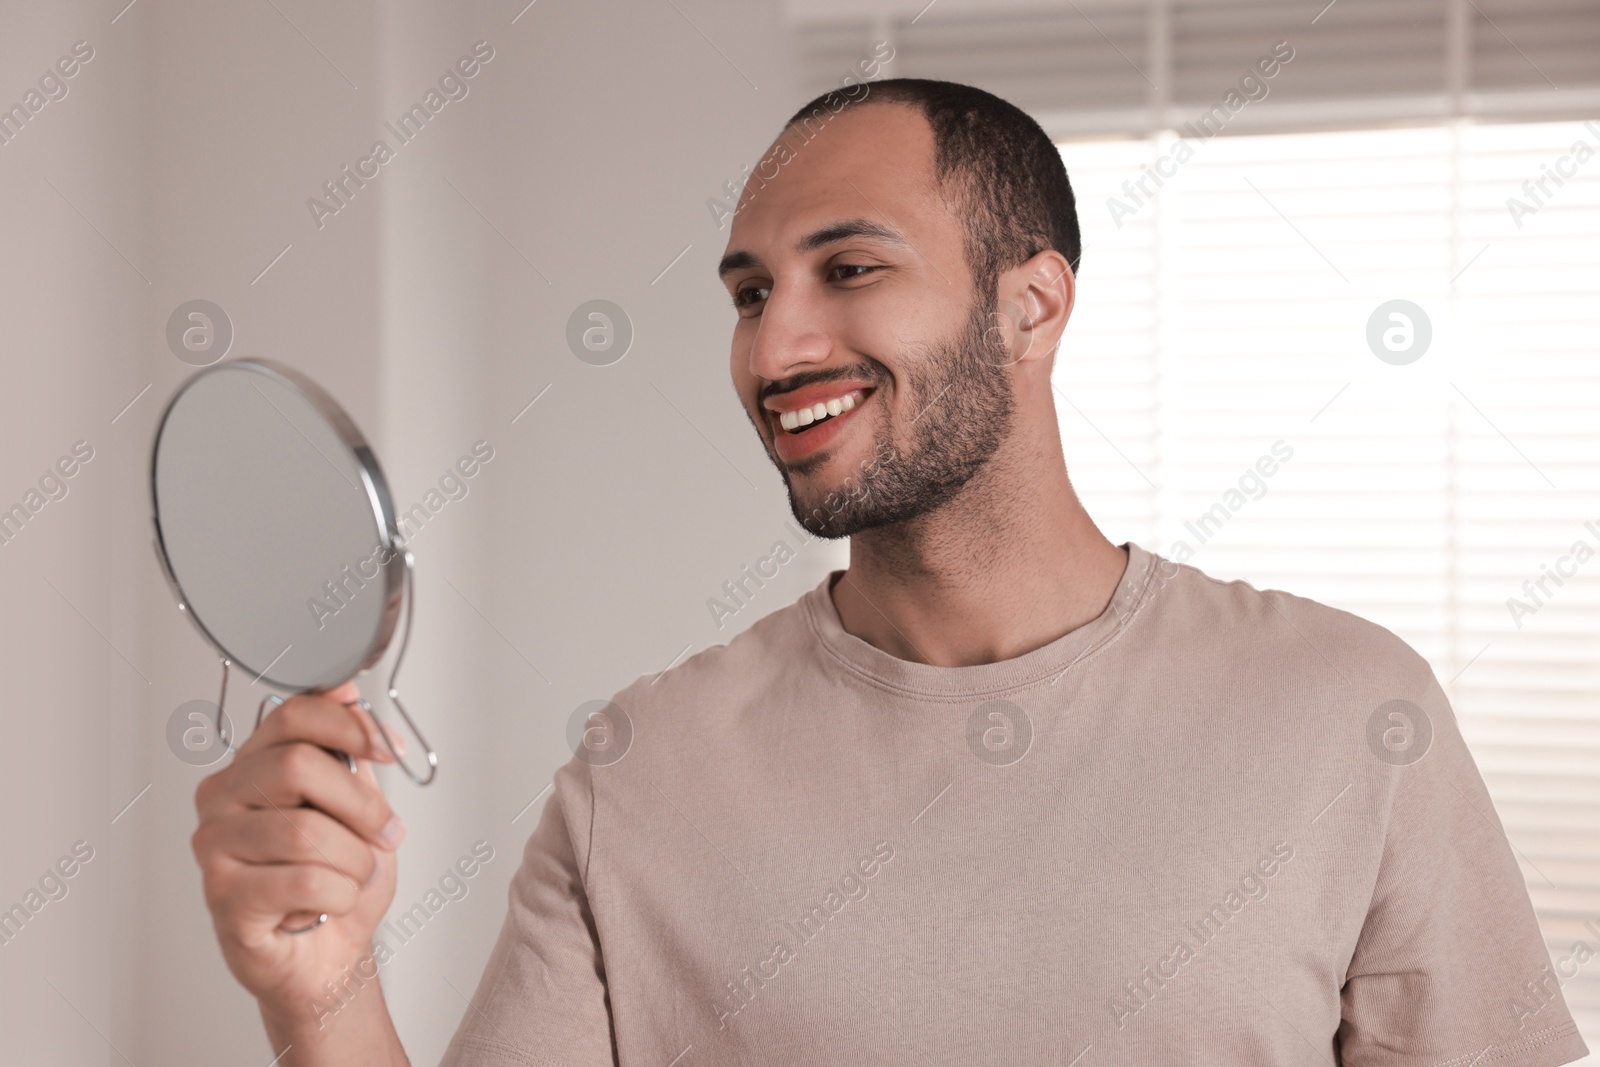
(398, 583)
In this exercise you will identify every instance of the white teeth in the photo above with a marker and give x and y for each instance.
(793, 420)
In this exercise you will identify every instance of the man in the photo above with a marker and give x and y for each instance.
(1000, 792)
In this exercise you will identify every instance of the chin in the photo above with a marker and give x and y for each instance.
(830, 495)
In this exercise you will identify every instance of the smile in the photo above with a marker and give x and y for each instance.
(797, 419)
(806, 420)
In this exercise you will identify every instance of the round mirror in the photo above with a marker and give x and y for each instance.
(275, 528)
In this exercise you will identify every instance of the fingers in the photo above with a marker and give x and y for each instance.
(344, 694)
(284, 771)
(296, 774)
(323, 721)
(286, 828)
(289, 835)
(347, 694)
(244, 894)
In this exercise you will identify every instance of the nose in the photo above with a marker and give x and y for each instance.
(790, 335)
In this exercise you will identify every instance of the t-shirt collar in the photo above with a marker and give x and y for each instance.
(1042, 665)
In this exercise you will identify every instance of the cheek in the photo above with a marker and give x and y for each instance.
(901, 326)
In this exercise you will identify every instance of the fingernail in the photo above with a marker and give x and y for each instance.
(373, 877)
(394, 831)
(376, 735)
(380, 751)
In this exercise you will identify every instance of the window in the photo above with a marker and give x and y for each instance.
(1228, 310)
(1244, 305)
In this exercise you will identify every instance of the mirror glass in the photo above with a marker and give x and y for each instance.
(275, 525)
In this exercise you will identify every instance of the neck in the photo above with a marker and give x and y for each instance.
(1011, 564)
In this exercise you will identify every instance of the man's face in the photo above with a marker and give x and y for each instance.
(853, 292)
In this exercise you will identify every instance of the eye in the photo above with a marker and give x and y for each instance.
(851, 268)
(742, 296)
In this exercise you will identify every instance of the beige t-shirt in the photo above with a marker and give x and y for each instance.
(1215, 825)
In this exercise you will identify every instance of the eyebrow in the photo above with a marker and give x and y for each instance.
(830, 234)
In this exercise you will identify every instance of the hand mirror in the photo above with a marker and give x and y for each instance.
(275, 528)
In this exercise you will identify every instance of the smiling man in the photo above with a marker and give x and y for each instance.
(1002, 791)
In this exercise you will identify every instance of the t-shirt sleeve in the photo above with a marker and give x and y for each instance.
(1450, 967)
(542, 1000)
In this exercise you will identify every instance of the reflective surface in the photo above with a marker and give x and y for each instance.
(273, 518)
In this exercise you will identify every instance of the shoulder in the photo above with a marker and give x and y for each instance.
(715, 677)
(1265, 630)
(677, 721)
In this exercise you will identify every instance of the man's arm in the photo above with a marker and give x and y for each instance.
(544, 996)
(362, 1033)
(286, 833)
(1450, 964)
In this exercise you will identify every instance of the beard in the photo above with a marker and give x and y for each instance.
(962, 409)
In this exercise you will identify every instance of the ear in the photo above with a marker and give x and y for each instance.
(1037, 297)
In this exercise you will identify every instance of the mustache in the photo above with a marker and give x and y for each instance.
(870, 371)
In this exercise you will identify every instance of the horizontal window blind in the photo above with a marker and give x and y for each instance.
(1140, 66)
(1229, 311)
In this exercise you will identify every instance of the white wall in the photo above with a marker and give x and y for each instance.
(590, 543)
(80, 677)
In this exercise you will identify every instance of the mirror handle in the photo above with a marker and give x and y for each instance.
(394, 694)
(363, 704)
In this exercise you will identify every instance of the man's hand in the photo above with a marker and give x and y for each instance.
(286, 833)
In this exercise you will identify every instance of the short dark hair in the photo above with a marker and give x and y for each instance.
(1004, 169)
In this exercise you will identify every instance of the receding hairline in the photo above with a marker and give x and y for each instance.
(947, 185)
(904, 104)
(740, 259)
(993, 163)
(882, 99)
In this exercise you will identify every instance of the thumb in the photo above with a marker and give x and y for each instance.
(345, 693)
